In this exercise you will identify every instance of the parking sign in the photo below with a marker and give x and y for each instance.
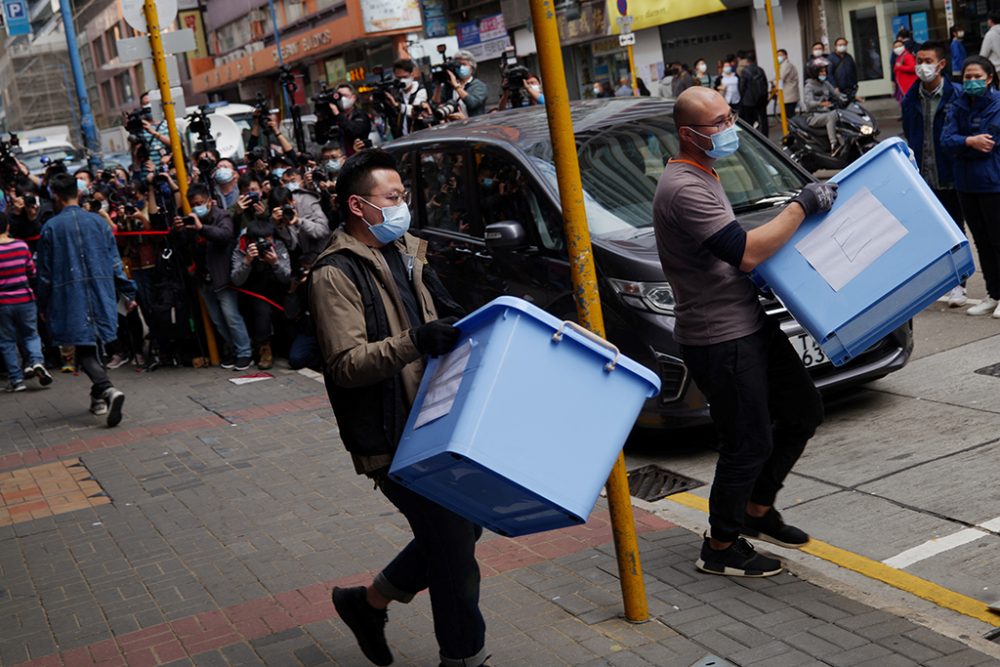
(15, 14)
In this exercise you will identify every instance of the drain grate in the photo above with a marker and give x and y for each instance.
(652, 482)
(713, 661)
(992, 371)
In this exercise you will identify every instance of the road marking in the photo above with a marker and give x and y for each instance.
(873, 569)
(934, 547)
(992, 525)
(311, 374)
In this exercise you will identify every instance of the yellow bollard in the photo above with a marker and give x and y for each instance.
(584, 274)
(777, 68)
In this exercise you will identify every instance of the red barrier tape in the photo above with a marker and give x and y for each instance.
(258, 296)
(144, 233)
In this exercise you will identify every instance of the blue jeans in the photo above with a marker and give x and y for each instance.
(19, 322)
(442, 558)
(224, 311)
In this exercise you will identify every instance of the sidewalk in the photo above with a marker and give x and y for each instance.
(210, 526)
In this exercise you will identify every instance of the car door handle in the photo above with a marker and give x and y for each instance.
(463, 251)
(483, 255)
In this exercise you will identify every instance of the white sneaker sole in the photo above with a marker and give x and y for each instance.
(115, 410)
(735, 572)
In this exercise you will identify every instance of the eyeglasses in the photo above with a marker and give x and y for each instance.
(396, 198)
(729, 121)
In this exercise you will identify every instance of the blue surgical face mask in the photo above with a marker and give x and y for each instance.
(201, 210)
(487, 182)
(464, 72)
(821, 77)
(724, 143)
(333, 165)
(223, 175)
(974, 87)
(293, 186)
(82, 187)
(395, 222)
(278, 172)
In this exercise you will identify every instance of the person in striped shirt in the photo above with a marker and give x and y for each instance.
(18, 313)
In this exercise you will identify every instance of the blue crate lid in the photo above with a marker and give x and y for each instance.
(490, 312)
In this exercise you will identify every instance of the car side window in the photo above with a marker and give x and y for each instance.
(444, 191)
(504, 193)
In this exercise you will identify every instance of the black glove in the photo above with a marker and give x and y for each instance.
(816, 197)
(437, 337)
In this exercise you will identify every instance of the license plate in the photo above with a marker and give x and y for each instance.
(809, 350)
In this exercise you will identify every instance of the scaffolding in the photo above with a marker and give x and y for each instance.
(36, 94)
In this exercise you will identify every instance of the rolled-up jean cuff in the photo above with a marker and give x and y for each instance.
(389, 591)
(472, 661)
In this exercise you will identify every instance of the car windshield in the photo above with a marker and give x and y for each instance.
(33, 161)
(621, 166)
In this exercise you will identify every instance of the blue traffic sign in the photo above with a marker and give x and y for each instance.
(623, 7)
(15, 13)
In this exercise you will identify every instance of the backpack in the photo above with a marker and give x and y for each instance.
(757, 89)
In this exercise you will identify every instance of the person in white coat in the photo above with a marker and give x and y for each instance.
(991, 40)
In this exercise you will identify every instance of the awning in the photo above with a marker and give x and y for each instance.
(651, 13)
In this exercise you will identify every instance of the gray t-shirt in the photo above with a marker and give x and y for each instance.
(716, 302)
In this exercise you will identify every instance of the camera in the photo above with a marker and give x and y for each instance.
(254, 197)
(287, 212)
(190, 220)
(199, 123)
(30, 201)
(439, 73)
(263, 246)
(513, 76)
(262, 111)
(326, 128)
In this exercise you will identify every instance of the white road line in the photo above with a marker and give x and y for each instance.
(934, 547)
(992, 525)
(311, 374)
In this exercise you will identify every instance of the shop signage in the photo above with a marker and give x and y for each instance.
(591, 23)
(651, 13)
(294, 49)
(336, 71)
(386, 15)
(435, 21)
(485, 39)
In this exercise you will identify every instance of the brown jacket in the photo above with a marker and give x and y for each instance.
(364, 369)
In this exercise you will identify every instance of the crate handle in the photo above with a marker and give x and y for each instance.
(590, 335)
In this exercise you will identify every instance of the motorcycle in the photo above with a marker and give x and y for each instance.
(857, 131)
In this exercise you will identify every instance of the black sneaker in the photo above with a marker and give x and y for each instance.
(771, 528)
(242, 363)
(739, 560)
(228, 362)
(365, 621)
(115, 400)
(39, 371)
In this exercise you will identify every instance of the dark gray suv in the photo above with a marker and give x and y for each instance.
(486, 199)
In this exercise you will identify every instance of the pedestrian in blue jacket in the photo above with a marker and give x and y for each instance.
(925, 107)
(970, 133)
(957, 52)
(80, 275)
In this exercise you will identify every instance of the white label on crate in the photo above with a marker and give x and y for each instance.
(851, 238)
(443, 387)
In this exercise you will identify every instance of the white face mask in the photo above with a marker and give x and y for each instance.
(817, 52)
(927, 72)
(535, 88)
(728, 69)
(842, 48)
(702, 67)
(781, 59)
(898, 50)
(960, 34)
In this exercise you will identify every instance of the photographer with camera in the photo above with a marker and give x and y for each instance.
(300, 222)
(353, 124)
(466, 90)
(27, 211)
(156, 137)
(252, 202)
(209, 234)
(261, 266)
(266, 131)
(413, 94)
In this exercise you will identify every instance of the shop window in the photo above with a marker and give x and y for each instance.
(107, 95)
(868, 47)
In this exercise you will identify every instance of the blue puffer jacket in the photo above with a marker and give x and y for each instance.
(79, 276)
(913, 129)
(969, 116)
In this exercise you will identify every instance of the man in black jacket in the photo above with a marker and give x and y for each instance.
(754, 90)
(354, 123)
(209, 233)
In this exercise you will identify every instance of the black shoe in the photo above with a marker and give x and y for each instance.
(771, 528)
(39, 371)
(228, 362)
(366, 622)
(115, 400)
(739, 560)
(242, 363)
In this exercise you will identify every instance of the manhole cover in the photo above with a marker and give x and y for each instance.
(713, 661)
(653, 482)
(992, 371)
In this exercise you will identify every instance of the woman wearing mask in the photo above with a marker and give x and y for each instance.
(957, 52)
(969, 133)
(701, 73)
(905, 69)
(729, 85)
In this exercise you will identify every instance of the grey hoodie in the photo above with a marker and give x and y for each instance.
(991, 45)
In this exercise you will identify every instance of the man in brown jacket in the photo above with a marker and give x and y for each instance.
(377, 305)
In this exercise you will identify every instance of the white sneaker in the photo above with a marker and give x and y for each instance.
(985, 307)
(996, 313)
(957, 297)
(117, 361)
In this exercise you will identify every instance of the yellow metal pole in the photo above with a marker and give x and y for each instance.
(631, 69)
(163, 82)
(777, 68)
(584, 274)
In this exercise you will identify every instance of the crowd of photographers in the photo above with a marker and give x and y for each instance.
(242, 256)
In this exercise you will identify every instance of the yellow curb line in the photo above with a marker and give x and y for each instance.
(873, 569)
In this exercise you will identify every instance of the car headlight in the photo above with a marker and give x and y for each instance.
(867, 129)
(657, 297)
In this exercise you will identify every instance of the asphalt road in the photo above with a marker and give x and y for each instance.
(903, 471)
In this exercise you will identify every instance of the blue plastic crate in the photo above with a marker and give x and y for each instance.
(540, 412)
(832, 282)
